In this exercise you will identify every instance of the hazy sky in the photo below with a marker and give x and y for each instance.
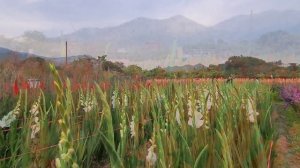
(55, 17)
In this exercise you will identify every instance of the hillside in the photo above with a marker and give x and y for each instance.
(4, 53)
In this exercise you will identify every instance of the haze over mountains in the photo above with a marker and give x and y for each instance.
(271, 35)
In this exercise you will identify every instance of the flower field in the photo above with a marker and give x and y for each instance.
(188, 124)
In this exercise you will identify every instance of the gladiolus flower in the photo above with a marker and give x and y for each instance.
(16, 88)
(42, 85)
(151, 156)
(251, 111)
(131, 125)
(25, 85)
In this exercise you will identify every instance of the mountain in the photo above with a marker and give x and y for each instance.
(131, 39)
(175, 41)
(62, 60)
(5, 53)
(141, 29)
(280, 45)
(279, 40)
(252, 26)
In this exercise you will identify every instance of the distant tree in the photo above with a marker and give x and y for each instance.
(120, 64)
(293, 67)
(157, 72)
(134, 70)
(102, 58)
(110, 66)
(246, 66)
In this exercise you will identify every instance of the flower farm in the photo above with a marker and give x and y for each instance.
(150, 123)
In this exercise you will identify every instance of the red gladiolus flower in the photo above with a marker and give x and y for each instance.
(42, 85)
(104, 86)
(92, 87)
(25, 85)
(148, 83)
(136, 86)
(16, 88)
(84, 86)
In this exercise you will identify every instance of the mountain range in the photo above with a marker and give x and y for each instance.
(5, 53)
(270, 35)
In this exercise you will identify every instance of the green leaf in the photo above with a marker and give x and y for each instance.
(114, 157)
(201, 158)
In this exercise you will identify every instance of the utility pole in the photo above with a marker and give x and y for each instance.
(66, 52)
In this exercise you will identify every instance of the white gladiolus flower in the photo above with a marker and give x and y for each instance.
(198, 106)
(34, 109)
(7, 119)
(122, 131)
(88, 108)
(189, 104)
(35, 127)
(87, 103)
(177, 115)
(195, 116)
(131, 125)
(123, 124)
(198, 118)
(11, 116)
(208, 104)
(251, 118)
(200, 110)
(164, 129)
(125, 100)
(252, 113)
(114, 99)
(34, 130)
(151, 156)
(36, 119)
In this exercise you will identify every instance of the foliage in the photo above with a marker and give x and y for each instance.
(134, 70)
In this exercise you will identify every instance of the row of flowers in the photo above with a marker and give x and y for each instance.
(17, 86)
(25, 85)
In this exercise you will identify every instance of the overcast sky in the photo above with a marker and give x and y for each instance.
(55, 17)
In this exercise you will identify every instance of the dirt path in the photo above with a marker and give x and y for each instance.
(287, 147)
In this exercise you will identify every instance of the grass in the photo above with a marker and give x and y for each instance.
(291, 116)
